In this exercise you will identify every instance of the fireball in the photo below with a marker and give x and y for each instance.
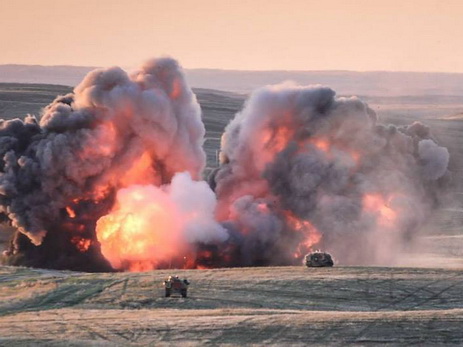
(143, 230)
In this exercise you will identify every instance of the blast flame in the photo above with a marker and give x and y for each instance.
(152, 227)
(322, 144)
(70, 212)
(141, 172)
(311, 236)
(81, 244)
(375, 203)
(143, 231)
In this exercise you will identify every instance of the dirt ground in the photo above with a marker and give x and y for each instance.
(262, 306)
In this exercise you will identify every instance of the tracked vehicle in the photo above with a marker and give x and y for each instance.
(318, 259)
(173, 284)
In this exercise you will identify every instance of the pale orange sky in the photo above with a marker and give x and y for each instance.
(414, 35)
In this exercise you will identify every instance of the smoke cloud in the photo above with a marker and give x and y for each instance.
(60, 175)
(301, 167)
(110, 178)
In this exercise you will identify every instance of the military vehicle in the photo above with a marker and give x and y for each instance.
(173, 284)
(318, 259)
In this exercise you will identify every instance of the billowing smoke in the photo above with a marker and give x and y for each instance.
(59, 176)
(301, 168)
(110, 178)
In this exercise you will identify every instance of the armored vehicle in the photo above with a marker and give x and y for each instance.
(318, 259)
(173, 284)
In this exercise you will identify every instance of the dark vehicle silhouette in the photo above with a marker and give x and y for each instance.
(318, 259)
(173, 284)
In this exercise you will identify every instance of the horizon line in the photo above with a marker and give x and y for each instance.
(241, 70)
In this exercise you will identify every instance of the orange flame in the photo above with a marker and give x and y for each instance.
(70, 212)
(311, 235)
(271, 142)
(143, 231)
(81, 243)
(103, 144)
(326, 146)
(176, 89)
(322, 144)
(375, 203)
(141, 172)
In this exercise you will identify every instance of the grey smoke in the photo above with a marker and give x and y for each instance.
(296, 159)
(86, 143)
(435, 159)
(325, 160)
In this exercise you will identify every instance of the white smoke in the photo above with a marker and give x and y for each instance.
(197, 203)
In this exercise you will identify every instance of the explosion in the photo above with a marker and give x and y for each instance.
(109, 178)
(151, 227)
(144, 222)
(362, 189)
(59, 176)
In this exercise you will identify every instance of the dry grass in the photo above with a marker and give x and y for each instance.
(264, 306)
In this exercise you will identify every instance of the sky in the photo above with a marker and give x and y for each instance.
(358, 35)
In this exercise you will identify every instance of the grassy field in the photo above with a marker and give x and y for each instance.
(18, 100)
(264, 306)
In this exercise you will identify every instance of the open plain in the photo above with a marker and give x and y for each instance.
(264, 306)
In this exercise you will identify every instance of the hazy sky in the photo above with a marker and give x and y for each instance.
(414, 35)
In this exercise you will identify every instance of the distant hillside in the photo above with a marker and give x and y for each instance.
(18, 100)
(344, 82)
(65, 75)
